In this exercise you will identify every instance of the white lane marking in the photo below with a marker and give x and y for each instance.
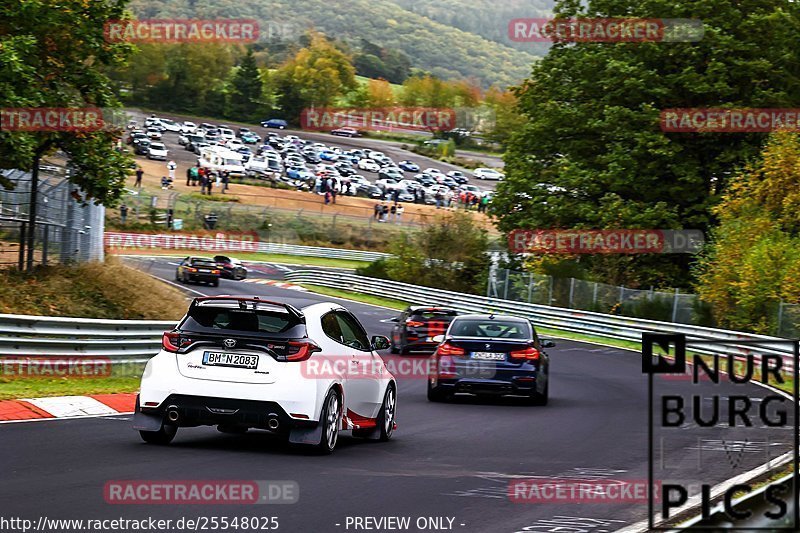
(58, 419)
(69, 406)
(178, 285)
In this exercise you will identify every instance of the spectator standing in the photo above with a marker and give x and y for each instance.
(189, 176)
(123, 213)
(218, 179)
(171, 167)
(377, 210)
(399, 214)
(396, 195)
(334, 187)
(438, 199)
(393, 211)
(139, 174)
(195, 174)
(225, 180)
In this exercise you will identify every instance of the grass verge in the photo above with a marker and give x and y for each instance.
(107, 290)
(302, 260)
(41, 388)
(357, 296)
(269, 258)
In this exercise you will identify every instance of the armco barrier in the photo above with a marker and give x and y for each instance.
(610, 326)
(69, 337)
(37, 335)
(118, 242)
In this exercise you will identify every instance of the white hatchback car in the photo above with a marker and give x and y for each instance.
(239, 362)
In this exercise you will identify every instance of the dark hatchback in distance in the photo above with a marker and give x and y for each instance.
(416, 327)
(198, 270)
(490, 355)
(230, 267)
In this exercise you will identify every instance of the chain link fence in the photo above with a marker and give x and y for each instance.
(175, 211)
(66, 229)
(572, 293)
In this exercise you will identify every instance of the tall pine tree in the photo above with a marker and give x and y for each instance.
(246, 101)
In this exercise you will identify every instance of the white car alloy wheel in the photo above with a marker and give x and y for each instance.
(331, 419)
(387, 416)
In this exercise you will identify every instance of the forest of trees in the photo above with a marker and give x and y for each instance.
(433, 46)
(236, 82)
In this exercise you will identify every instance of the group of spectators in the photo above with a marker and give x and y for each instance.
(207, 179)
(469, 200)
(196, 175)
(383, 211)
(330, 186)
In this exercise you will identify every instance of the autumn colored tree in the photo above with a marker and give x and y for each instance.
(316, 76)
(753, 261)
(380, 93)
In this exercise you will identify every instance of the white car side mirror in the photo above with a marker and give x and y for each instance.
(438, 339)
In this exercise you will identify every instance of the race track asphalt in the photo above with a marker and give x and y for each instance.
(446, 460)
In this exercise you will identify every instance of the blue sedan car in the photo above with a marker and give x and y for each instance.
(494, 355)
(408, 166)
(299, 173)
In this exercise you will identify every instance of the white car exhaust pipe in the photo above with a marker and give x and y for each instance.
(172, 413)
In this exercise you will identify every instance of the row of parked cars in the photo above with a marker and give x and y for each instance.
(304, 163)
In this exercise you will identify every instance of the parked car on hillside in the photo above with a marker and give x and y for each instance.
(345, 132)
(275, 123)
(487, 174)
(157, 151)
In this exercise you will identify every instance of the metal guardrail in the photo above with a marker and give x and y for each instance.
(720, 341)
(121, 242)
(315, 251)
(69, 337)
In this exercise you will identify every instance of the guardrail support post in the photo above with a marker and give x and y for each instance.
(45, 243)
(675, 305)
(505, 290)
(594, 296)
(780, 318)
(550, 293)
(571, 291)
(530, 285)
(21, 261)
